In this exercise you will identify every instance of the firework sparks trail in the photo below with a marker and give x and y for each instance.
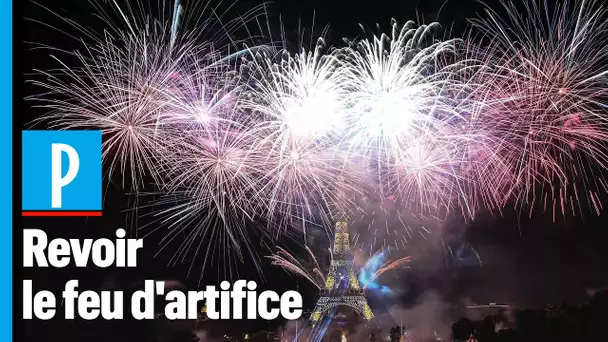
(123, 76)
(313, 272)
(298, 101)
(392, 90)
(204, 234)
(120, 92)
(207, 155)
(211, 173)
(541, 100)
(290, 263)
(164, 97)
(389, 265)
(399, 116)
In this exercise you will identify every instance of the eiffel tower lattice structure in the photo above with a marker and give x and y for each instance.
(342, 287)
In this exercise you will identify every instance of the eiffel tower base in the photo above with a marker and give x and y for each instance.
(326, 303)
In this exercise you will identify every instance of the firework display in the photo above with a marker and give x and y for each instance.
(539, 107)
(513, 114)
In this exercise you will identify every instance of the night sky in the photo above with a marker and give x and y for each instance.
(527, 262)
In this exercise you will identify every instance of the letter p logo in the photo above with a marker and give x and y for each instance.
(58, 180)
(61, 173)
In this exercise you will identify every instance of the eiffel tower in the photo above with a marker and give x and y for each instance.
(341, 286)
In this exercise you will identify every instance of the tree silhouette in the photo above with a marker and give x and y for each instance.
(396, 333)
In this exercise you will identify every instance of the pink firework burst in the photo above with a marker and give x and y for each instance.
(540, 104)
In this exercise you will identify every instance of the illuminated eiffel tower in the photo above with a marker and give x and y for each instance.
(341, 286)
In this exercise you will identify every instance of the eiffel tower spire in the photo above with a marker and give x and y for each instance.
(342, 287)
